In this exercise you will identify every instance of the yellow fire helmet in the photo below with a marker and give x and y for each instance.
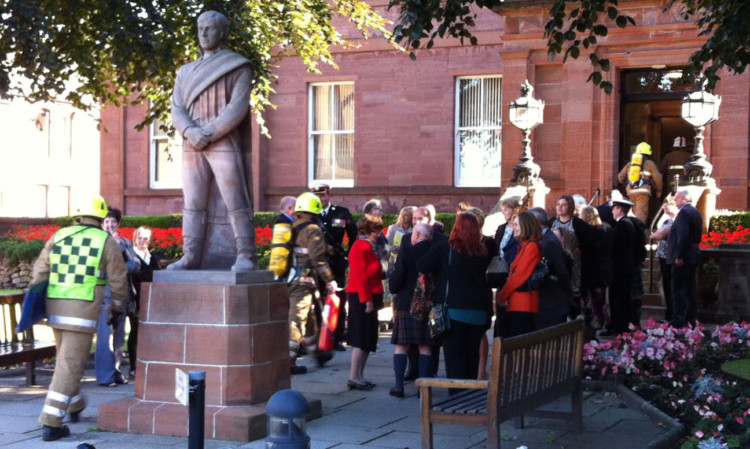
(94, 207)
(308, 202)
(643, 148)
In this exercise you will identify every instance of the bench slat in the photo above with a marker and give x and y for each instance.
(526, 372)
(17, 348)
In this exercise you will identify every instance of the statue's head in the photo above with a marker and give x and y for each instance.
(213, 30)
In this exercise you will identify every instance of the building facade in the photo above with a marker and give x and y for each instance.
(435, 130)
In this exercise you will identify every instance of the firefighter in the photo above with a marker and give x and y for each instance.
(309, 271)
(642, 180)
(78, 261)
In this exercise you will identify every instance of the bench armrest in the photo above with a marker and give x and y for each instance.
(438, 382)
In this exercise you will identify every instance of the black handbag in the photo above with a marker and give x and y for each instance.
(497, 272)
(541, 276)
(438, 321)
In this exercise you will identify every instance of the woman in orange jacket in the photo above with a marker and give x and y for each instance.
(521, 305)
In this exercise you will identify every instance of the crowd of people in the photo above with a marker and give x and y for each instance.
(583, 262)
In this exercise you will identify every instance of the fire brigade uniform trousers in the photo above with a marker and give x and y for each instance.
(640, 205)
(300, 302)
(73, 349)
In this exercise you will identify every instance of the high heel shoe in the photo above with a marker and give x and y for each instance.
(358, 386)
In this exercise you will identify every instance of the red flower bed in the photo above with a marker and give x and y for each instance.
(167, 242)
(714, 239)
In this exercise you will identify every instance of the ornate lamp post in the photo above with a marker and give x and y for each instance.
(699, 108)
(525, 113)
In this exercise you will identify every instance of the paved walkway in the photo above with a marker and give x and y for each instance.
(351, 419)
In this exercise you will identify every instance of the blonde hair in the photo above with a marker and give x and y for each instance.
(590, 215)
(141, 230)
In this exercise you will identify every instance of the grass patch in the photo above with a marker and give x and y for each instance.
(739, 368)
(9, 292)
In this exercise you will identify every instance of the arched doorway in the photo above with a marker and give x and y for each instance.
(651, 104)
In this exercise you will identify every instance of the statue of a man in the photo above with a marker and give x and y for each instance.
(210, 107)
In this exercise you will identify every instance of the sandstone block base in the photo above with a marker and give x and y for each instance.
(237, 334)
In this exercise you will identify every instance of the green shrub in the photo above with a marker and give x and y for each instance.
(730, 220)
(152, 221)
(15, 251)
(265, 218)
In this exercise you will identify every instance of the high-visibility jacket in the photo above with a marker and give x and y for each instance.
(74, 263)
(67, 307)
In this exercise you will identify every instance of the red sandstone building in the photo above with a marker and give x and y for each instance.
(436, 130)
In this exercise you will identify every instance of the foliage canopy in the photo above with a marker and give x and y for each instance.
(580, 24)
(91, 52)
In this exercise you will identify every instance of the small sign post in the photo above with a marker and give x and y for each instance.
(181, 386)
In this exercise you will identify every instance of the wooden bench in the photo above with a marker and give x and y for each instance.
(526, 372)
(17, 348)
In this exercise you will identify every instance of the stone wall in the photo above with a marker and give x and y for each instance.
(15, 277)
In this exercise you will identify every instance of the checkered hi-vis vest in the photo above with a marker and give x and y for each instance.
(74, 263)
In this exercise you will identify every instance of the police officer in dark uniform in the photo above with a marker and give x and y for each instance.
(338, 222)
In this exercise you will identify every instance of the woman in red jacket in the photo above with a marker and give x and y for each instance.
(521, 305)
(365, 296)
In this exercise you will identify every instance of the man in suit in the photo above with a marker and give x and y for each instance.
(623, 266)
(338, 222)
(684, 254)
(554, 298)
(287, 208)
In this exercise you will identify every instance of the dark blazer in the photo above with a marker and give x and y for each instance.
(605, 214)
(554, 299)
(337, 223)
(685, 236)
(283, 219)
(596, 256)
(403, 280)
(622, 251)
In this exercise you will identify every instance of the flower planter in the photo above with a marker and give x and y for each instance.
(733, 299)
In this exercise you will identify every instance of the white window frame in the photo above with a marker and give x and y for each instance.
(335, 182)
(473, 181)
(153, 140)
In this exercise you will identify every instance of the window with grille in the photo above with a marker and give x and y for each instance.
(331, 133)
(166, 158)
(478, 135)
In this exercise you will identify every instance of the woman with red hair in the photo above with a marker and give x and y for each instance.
(458, 266)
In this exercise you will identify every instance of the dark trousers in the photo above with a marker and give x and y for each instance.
(621, 303)
(461, 350)
(666, 285)
(684, 295)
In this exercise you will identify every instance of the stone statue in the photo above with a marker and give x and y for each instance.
(210, 109)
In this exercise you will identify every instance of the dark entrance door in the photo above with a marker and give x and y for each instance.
(651, 103)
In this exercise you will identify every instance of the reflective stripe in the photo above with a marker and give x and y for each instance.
(73, 321)
(54, 411)
(301, 251)
(58, 397)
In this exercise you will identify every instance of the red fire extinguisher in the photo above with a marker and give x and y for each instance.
(330, 322)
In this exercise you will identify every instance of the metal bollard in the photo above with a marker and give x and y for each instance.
(286, 424)
(196, 410)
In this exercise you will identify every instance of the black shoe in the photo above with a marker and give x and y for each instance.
(323, 358)
(296, 369)
(55, 433)
(339, 347)
(397, 392)
(357, 386)
(120, 380)
(75, 416)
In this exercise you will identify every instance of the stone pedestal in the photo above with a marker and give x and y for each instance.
(733, 302)
(236, 333)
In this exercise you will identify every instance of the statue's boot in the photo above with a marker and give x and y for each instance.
(244, 232)
(193, 229)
